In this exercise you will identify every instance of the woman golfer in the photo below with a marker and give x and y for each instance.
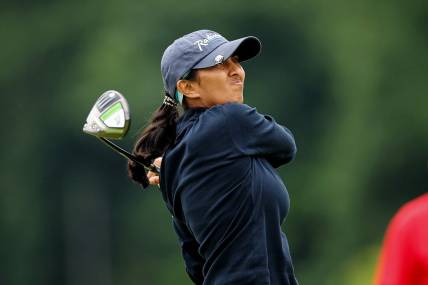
(218, 176)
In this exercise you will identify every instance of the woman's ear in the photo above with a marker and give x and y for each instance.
(187, 88)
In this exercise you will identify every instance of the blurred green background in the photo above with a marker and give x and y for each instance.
(349, 78)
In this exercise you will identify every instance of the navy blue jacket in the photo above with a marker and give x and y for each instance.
(227, 200)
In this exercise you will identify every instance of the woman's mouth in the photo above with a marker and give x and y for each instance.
(237, 82)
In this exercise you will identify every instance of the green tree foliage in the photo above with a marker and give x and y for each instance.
(348, 78)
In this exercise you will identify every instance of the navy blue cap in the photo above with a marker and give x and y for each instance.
(202, 49)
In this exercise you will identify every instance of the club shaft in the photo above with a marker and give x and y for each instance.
(127, 155)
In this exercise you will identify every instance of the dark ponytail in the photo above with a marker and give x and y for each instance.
(154, 140)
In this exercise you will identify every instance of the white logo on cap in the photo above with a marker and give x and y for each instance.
(205, 41)
(219, 59)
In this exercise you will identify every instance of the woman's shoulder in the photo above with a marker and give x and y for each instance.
(231, 107)
(231, 111)
(230, 116)
(219, 118)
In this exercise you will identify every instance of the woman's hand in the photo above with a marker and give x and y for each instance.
(152, 176)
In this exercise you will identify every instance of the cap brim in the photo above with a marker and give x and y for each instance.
(244, 48)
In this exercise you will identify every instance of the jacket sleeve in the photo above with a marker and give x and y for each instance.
(189, 248)
(255, 134)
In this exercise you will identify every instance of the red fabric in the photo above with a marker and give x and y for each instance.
(404, 255)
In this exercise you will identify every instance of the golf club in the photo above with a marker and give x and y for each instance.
(109, 118)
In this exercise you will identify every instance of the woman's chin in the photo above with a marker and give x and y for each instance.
(236, 99)
(240, 98)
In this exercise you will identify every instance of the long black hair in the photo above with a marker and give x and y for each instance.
(159, 134)
(154, 140)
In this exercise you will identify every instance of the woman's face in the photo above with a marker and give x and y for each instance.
(220, 84)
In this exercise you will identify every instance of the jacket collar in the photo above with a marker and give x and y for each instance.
(187, 119)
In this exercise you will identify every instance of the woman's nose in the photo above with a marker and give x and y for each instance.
(235, 67)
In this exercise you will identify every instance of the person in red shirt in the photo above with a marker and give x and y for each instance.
(404, 254)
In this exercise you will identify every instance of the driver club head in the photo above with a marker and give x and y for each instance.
(109, 117)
